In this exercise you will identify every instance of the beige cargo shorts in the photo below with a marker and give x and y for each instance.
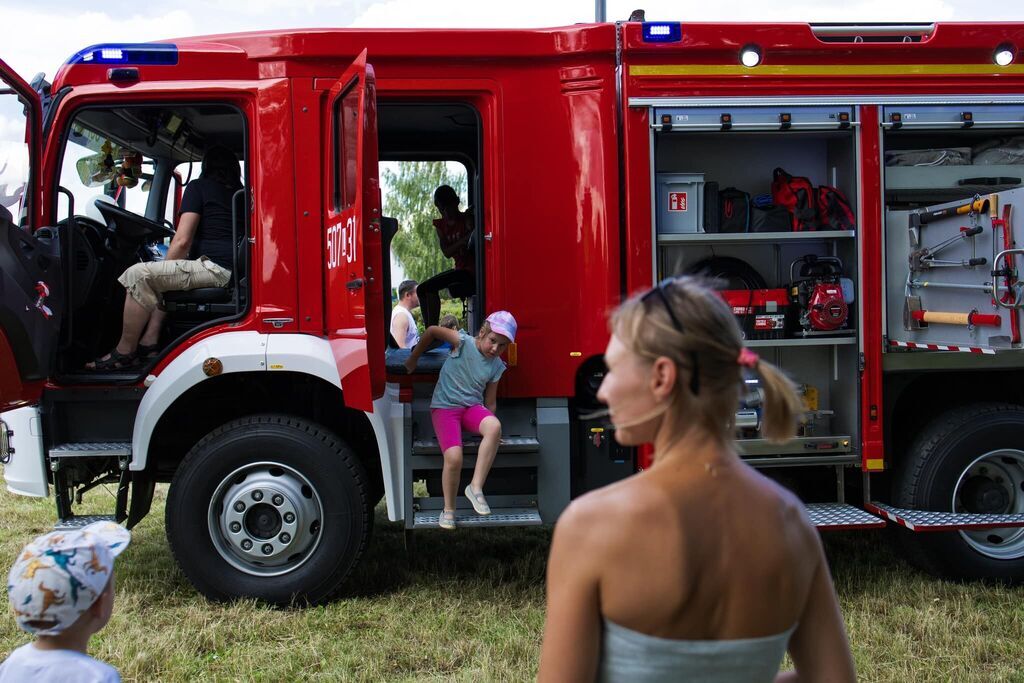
(146, 282)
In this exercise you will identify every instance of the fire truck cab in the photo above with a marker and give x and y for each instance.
(600, 158)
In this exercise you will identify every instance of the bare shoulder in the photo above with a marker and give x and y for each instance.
(787, 508)
(611, 510)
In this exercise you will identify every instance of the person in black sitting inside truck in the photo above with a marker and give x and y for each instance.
(200, 255)
(454, 230)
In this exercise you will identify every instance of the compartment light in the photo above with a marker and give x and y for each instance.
(1003, 55)
(750, 56)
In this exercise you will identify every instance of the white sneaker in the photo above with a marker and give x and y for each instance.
(446, 520)
(478, 501)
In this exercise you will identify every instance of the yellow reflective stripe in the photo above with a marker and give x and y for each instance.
(874, 464)
(821, 69)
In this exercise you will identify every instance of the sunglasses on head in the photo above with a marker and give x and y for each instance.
(658, 291)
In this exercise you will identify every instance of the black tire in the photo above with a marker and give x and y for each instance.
(317, 478)
(949, 450)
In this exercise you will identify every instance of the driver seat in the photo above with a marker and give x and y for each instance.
(218, 300)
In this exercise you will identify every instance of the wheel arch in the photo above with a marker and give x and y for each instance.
(915, 400)
(287, 374)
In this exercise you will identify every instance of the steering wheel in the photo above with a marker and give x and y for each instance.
(131, 226)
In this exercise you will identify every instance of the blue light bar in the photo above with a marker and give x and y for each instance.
(127, 54)
(662, 32)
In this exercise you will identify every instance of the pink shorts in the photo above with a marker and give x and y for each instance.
(449, 423)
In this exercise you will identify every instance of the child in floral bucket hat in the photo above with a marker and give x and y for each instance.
(61, 588)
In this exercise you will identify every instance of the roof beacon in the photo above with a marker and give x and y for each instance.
(128, 54)
(663, 32)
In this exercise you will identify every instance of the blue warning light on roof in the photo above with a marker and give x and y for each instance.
(662, 32)
(128, 54)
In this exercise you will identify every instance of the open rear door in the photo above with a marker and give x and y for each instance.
(354, 317)
(30, 275)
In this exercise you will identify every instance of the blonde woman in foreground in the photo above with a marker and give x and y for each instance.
(698, 568)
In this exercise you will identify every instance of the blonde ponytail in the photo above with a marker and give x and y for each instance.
(782, 405)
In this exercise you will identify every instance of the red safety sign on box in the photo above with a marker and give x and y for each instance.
(677, 201)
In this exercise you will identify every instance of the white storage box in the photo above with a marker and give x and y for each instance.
(680, 203)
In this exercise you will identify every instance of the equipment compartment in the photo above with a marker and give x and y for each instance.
(820, 352)
(940, 285)
(936, 154)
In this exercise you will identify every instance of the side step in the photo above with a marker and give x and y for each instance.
(508, 444)
(925, 520)
(98, 449)
(841, 516)
(79, 521)
(427, 519)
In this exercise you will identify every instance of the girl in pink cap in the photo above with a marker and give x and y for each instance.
(465, 397)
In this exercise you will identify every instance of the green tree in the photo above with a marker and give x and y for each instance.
(410, 200)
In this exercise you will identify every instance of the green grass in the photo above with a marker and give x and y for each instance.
(470, 607)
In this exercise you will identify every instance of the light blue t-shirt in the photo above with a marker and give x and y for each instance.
(28, 663)
(464, 376)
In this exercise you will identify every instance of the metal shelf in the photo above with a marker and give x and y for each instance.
(801, 445)
(810, 341)
(741, 237)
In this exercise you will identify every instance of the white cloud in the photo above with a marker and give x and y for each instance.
(474, 13)
(42, 39)
(856, 11)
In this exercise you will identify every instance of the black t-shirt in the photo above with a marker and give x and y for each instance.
(212, 201)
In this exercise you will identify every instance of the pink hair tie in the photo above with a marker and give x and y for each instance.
(747, 358)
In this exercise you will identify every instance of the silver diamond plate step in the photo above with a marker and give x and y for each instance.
(79, 521)
(467, 518)
(508, 444)
(839, 516)
(98, 449)
(925, 520)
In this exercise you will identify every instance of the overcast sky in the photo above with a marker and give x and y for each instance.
(39, 36)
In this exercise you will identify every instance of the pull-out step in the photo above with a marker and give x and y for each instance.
(841, 516)
(79, 521)
(427, 519)
(926, 520)
(513, 451)
(508, 444)
(96, 449)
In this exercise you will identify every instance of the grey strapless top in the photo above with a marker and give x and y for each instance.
(628, 655)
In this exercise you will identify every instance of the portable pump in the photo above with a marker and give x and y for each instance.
(817, 294)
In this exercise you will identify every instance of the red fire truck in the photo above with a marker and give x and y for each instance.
(599, 158)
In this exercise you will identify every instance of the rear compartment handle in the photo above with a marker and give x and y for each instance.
(355, 284)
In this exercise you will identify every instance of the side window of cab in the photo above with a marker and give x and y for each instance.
(15, 161)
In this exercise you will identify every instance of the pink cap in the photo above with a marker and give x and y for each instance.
(503, 323)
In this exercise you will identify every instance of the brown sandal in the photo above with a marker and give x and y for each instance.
(115, 360)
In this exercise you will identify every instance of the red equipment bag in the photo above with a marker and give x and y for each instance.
(796, 194)
(834, 211)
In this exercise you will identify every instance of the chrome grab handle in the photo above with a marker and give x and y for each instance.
(1016, 298)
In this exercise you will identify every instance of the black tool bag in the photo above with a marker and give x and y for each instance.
(733, 210)
(711, 219)
(771, 219)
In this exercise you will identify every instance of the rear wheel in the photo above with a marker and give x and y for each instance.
(970, 459)
(269, 507)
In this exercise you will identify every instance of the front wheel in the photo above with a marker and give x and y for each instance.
(971, 460)
(269, 507)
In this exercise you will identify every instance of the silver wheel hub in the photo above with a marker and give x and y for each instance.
(265, 519)
(993, 484)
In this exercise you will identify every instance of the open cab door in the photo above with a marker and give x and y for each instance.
(30, 273)
(353, 315)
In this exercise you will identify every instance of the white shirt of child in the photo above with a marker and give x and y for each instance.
(29, 663)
